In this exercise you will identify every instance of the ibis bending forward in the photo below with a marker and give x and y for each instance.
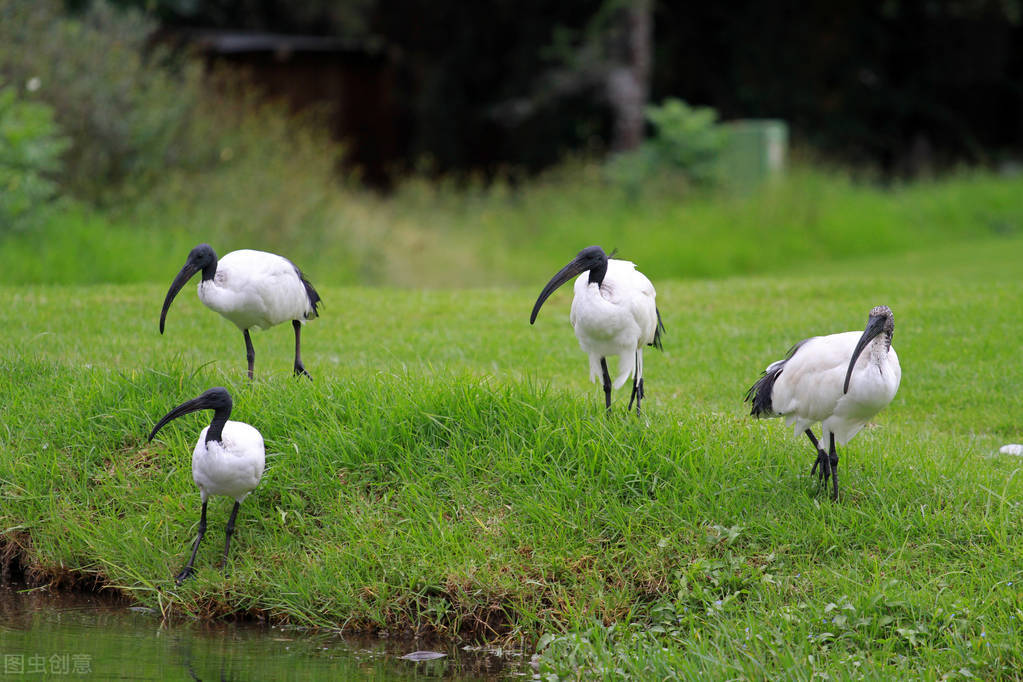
(228, 460)
(831, 380)
(251, 289)
(613, 313)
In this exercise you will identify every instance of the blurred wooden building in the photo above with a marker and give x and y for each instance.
(354, 80)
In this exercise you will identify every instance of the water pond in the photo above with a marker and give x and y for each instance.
(48, 636)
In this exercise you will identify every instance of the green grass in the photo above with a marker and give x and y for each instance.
(451, 470)
(442, 236)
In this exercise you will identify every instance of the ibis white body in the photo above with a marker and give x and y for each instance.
(809, 389)
(251, 289)
(616, 317)
(840, 380)
(614, 312)
(231, 466)
(257, 289)
(227, 460)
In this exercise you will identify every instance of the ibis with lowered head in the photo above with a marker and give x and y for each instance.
(251, 289)
(840, 380)
(614, 312)
(228, 459)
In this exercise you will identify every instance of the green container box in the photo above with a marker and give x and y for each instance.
(756, 151)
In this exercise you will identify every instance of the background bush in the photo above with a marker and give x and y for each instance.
(122, 105)
(30, 149)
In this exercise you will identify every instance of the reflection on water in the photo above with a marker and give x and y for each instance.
(44, 636)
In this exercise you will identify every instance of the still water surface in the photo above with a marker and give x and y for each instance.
(60, 637)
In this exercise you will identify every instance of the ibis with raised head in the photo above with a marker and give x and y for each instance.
(614, 312)
(228, 460)
(840, 380)
(251, 289)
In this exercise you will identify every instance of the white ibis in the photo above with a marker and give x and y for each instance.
(251, 289)
(228, 460)
(613, 313)
(829, 379)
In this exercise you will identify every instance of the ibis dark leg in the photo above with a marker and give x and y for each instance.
(834, 468)
(186, 572)
(607, 383)
(299, 367)
(230, 531)
(250, 352)
(637, 393)
(822, 458)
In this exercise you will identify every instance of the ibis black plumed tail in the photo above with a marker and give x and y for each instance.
(658, 332)
(759, 394)
(310, 292)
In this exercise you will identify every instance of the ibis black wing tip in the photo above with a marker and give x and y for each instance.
(310, 292)
(659, 332)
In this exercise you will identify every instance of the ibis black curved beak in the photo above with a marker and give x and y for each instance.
(875, 325)
(191, 267)
(588, 259)
(217, 399)
(566, 273)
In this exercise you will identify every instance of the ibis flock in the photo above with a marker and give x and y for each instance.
(839, 380)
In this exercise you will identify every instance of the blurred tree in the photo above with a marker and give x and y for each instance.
(314, 17)
(628, 80)
(611, 53)
(906, 84)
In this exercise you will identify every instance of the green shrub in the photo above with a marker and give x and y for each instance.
(123, 108)
(687, 142)
(30, 149)
(687, 138)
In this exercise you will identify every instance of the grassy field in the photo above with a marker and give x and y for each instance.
(439, 236)
(451, 471)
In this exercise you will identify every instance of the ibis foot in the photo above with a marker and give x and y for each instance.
(300, 371)
(822, 457)
(637, 394)
(299, 367)
(833, 464)
(185, 574)
(821, 467)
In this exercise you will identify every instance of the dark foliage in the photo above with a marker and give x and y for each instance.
(907, 85)
(903, 84)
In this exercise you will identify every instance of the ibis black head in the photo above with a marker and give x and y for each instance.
(202, 257)
(216, 399)
(591, 258)
(880, 321)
